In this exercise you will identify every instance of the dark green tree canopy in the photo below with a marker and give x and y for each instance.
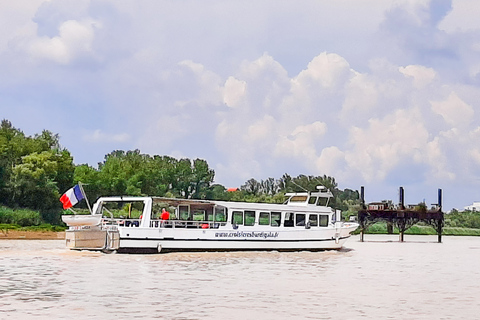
(33, 170)
(36, 170)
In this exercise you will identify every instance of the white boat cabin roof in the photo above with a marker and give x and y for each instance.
(298, 201)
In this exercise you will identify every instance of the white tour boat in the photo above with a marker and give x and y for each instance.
(135, 224)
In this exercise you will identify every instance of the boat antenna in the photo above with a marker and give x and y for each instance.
(85, 195)
(298, 185)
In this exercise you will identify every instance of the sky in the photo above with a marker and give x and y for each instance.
(374, 93)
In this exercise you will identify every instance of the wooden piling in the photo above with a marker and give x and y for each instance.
(403, 217)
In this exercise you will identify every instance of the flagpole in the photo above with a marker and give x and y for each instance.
(86, 199)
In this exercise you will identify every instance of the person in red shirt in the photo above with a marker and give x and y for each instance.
(165, 214)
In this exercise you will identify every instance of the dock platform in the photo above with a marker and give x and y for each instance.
(401, 216)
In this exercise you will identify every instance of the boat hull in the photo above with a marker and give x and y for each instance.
(92, 239)
(127, 245)
(162, 240)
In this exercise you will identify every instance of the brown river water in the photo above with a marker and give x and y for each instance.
(376, 279)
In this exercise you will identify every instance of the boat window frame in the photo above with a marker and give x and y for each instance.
(323, 220)
(180, 216)
(268, 214)
(249, 212)
(106, 210)
(323, 201)
(290, 222)
(300, 223)
(314, 222)
(220, 211)
(314, 198)
(234, 214)
(277, 221)
(298, 198)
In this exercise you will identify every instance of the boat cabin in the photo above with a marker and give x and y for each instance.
(316, 198)
(301, 210)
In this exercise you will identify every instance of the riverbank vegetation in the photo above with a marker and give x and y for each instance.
(381, 228)
(36, 170)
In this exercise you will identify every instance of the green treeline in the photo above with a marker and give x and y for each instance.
(36, 170)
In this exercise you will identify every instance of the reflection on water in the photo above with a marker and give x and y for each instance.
(376, 279)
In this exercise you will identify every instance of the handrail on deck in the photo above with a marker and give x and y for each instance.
(199, 224)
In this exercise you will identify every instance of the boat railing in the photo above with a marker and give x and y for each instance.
(132, 223)
(121, 222)
(189, 224)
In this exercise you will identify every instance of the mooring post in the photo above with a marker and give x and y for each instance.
(360, 217)
(402, 199)
(401, 215)
(439, 230)
(362, 196)
(440, 221)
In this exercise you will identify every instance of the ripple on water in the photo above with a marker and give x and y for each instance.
(389, 280)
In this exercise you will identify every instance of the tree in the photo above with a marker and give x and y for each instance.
(32, 169)
(252, 187)
(202, 177)
(35, 181)
(270, 186)
(183, 176)
(90, 177)
(216, 192)
(133, 173)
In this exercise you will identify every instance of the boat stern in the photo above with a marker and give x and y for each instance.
(92, 238)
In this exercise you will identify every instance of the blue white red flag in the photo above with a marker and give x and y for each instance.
(71, 197)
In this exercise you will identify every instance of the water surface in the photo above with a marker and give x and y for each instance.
(377, 279)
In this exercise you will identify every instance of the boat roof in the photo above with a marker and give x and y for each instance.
(227, 204)
(179, 201)
(238, 205)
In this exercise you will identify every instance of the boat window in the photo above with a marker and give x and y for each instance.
(249, 218)
(209, 214)
(264, 218)
(313, 220)
(322, 201)
(300, 219)
(288, 219)
(237, 217)
(198, 215)
(183, 212)
(220, 215)
(276, 217)
(122, 209)
(298, 199)
(312, 200)
(323, 220)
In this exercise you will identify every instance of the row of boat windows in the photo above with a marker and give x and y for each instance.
(247, 218)
(322, 201)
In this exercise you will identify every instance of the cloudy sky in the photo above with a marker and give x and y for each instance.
(375, 93)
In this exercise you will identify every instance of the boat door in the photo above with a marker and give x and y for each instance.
(184, 212)
(338, 224)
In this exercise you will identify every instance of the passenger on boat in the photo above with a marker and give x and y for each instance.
(165, 214)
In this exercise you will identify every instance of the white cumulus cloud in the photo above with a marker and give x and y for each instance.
(74, 40)
(454, 110)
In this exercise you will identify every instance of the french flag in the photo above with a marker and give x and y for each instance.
(71, 197)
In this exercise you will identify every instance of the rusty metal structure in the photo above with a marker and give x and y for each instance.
(401, 216)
